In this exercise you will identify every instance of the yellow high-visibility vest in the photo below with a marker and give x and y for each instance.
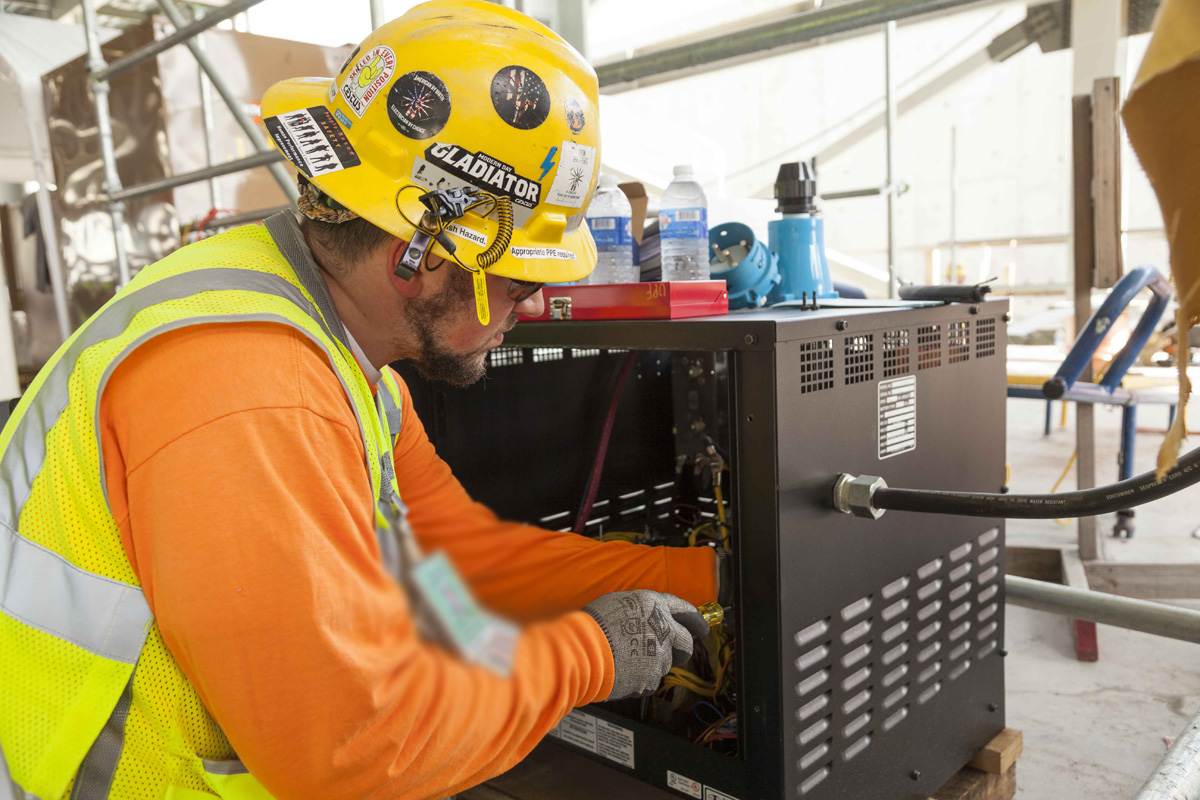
(92, 704)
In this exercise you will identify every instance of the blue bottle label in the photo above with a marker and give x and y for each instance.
(611, 231)
(683, 223)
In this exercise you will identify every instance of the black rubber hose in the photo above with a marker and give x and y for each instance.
(1086, 503)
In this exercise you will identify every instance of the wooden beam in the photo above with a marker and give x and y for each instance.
(1083, 238)
(971, 784)
(1106, 182)
(1037, 563)
(1087, 642)
(1000, 753)
(1147, 581)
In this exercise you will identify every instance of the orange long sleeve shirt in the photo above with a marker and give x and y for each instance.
(237, 477)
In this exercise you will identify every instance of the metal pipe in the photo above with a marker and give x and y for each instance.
(953, 198)
(206, 119)
(795, 29)
(846, 195)
(281, 175)
(112, 181)
(220, 14)
(377, 17)
(889, 132)
(170, 182)
(1107, 609)
(1177, 776)
(238, 219)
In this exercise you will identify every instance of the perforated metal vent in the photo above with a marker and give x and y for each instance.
(860, 358)
(958, 343)
(895, 353)
(861, 673)
(985, 337)
(929, 346)
(816, 365)
(506, 357)
(584, 352)
(547, 354)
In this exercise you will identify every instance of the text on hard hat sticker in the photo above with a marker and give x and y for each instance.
(368, 77)
(486, 172)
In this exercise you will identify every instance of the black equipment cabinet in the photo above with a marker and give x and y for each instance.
(869, 660)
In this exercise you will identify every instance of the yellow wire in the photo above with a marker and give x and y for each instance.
(1066, 471)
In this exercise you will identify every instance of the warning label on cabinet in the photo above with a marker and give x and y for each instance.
(684, 784)
(897, 416)
(597, 736)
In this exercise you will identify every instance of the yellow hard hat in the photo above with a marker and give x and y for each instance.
(456, 94)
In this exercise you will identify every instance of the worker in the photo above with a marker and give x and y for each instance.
(231, 563)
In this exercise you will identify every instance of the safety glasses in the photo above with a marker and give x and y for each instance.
(522, 290)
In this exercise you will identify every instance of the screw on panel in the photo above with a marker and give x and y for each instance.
(842, 324)
(750, 338)
(1004, 654)
(915, 774)
(974, 309)
(1007, 317)
(993, 707)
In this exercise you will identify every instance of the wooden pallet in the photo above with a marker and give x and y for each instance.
(556, 774)
(991, 775)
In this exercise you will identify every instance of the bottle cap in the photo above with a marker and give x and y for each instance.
(683, 171)
(608, 180)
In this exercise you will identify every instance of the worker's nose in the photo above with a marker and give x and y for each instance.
(532, 306)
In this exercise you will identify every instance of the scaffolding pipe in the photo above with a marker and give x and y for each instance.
(206, 119)
(889, 132)
(377, 17)
(238, 219)
(181, 34)
(1177, 776)
(112, 181)
(281, 175)
(833, 18)
(1108, 609)
(203, 174)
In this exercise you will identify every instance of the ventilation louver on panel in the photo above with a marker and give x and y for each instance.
(860, 358)
(861, 672)
(816, 365)
(895, 353)
(547, 354)
(506, 357)
(929, 346)
(985, 337)
(958, 344)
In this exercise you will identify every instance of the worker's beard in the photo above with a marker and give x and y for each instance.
(432, 318)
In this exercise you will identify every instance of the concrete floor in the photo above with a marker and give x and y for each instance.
(1095, 730)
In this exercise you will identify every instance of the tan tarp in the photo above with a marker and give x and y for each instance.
(1162, 115)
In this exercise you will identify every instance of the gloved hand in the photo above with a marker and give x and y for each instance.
(648, 632)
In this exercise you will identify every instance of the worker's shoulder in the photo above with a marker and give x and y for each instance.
(211, 370)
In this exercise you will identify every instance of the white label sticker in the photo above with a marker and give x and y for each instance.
(542, 252)
(367, 78)
(897, 416)
(597, 736)
(478, 238)
(682, 783)
(614, 742)
(712, 794)
(573, 178)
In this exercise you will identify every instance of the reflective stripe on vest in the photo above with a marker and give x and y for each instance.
(108, 618)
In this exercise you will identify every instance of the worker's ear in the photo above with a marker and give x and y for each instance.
(411, 287)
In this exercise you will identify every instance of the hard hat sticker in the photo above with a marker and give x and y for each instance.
(333, 84)
(520, 97)
(576, 163)
(575, 117)
(419, 104)
(366, 79)
(486, 172)
(556, 253)
(312, 140)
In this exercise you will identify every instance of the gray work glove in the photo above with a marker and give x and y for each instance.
(648, 632)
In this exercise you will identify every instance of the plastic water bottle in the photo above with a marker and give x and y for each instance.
(683, 229)
(609, 219)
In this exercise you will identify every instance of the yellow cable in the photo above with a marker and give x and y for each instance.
(1066, 471)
